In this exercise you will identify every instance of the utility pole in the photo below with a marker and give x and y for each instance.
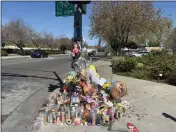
(78, 26)
(78, 20)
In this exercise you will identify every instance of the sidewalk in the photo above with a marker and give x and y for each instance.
(148, 101)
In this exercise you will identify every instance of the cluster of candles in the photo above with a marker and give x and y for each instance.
(80, 110)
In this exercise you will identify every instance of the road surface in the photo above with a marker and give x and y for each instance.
(22, 77)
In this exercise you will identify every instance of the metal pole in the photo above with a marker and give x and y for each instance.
(78, 26)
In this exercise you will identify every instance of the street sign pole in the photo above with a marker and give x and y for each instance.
(70, 8)
(78, 26)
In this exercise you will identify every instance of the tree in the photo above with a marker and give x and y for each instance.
(48, 40)
(17, 32)
(117, 21)
(171, 41)
(2, 37)
(131, 45)
(63, 47)
(66, 42)
(35, 38)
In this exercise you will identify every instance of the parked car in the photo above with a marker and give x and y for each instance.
(140, 53)
(91, 53)
(130, 54)
(39, 54)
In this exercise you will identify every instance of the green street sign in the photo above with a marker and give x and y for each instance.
(64, 8)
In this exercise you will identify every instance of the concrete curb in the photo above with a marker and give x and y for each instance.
(11, 57)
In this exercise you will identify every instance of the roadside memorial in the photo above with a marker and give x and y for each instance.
(86, 99)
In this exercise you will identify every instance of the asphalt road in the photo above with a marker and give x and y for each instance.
(22, 77)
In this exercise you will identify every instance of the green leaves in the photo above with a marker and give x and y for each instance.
(147, 67)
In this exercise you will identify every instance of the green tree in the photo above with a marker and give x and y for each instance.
(117, 22)
(63, 47)
(171, 41)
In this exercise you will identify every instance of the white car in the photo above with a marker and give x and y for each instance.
(140, 53)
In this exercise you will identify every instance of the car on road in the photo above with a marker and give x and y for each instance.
(140, 53)
(91, 53)
(39, 54)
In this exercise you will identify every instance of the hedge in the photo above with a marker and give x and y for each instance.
(123, 64)
(148, 67)
(4, 53)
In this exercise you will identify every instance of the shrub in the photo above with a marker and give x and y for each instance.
(4, 53)
(53, 51)
(63, 47)
(25, 52)
(140, 66)
(116, 60)
(57, 52)
(141, 74)
(148, 67)
(157, 52)
(172, 76)
(123, 64)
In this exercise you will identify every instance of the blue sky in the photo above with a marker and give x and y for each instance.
(41, 16)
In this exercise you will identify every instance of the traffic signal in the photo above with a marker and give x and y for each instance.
(80, 2)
